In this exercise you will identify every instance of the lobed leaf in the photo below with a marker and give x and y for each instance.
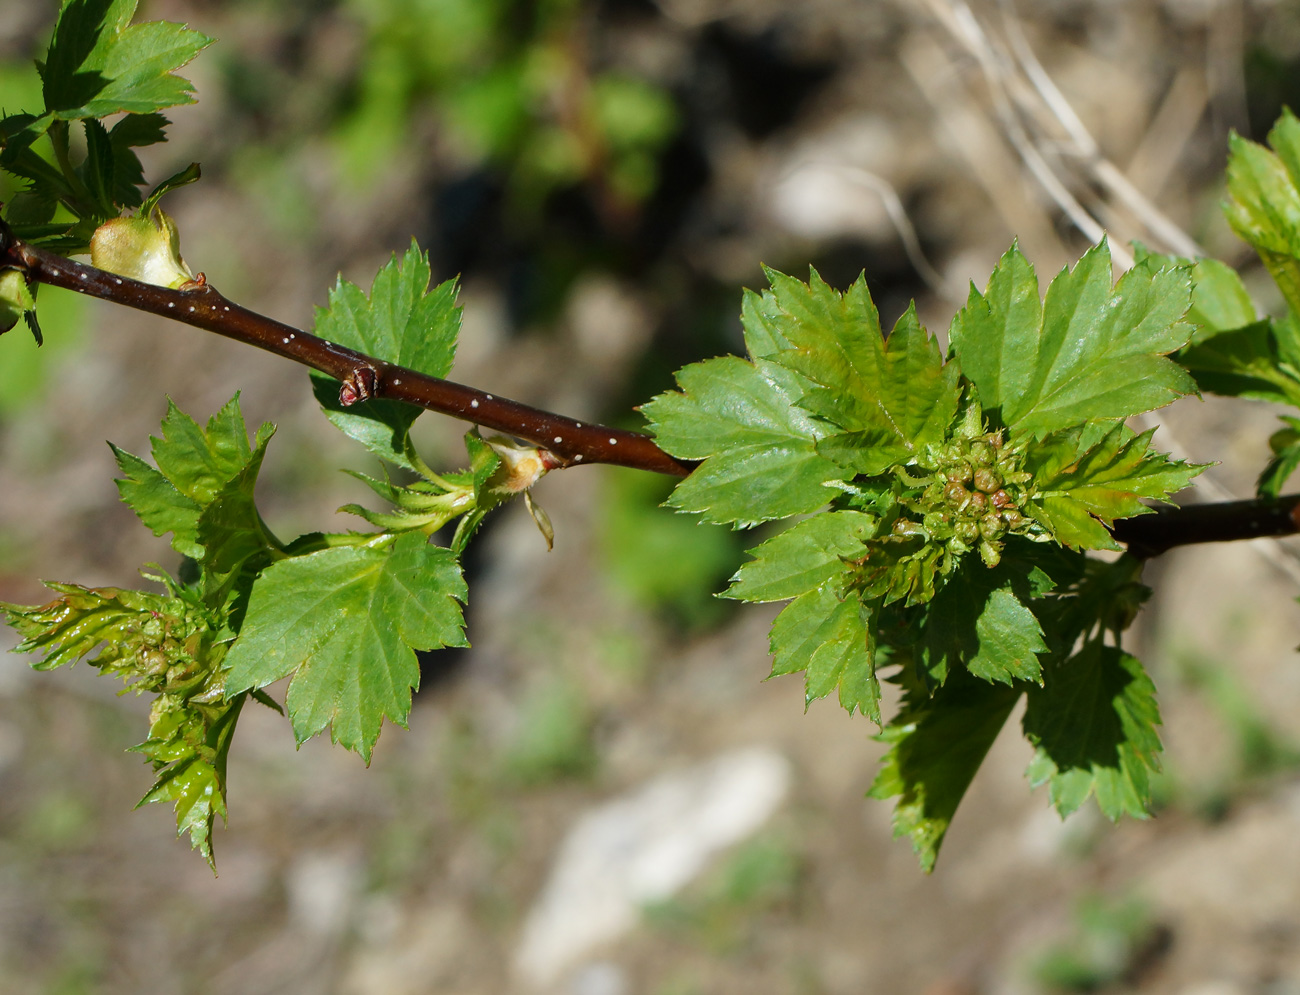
(888, 396)
(1263, 205)
(189, 746)
(99, 64)
(158, 504)
(1091, 353)
(202, 491)
(759, 449)
(1086, 478)
(401, 321)
(1094, 726)
(1245, 362)
(936, 746)
(825, 634)
(1285, 443)
(978, 620)
(803, 557)
(345, 623)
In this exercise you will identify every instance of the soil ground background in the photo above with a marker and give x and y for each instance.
(605, 663)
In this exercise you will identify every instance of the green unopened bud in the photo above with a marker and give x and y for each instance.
(15, 298)
(956, 494)
(147, 249)
(986, 480)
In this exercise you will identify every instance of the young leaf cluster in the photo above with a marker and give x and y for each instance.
(952, 501)
(340, 615)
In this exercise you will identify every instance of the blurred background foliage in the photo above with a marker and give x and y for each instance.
(605, 176)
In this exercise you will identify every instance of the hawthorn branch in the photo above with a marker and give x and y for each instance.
(363, 377)
(569, 442)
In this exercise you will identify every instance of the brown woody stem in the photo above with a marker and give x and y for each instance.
(1150, 535)
(569, 442)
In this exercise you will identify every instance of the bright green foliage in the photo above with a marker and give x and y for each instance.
(194, 468)
(1084, 479)
(1012, 448)
(345, 623)
(1285, 443)
(1090, 352)
(825, 634)
(402, 322)
(887, 397)
(100, 64)
(802, 558)
(952, 499)
(759, 449)
(1264, 203)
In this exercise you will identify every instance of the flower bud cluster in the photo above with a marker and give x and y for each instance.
(159, 652)
(972, 497)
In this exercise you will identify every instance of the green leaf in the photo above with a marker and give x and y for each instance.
(200, 461)
(1263, 204)
(888, 396)
(936, 746)
(759, 449)
(73, 625)
(1094, 726)
(131, 132)
(803, 557)
(825, 634)
(159, 505)
(1245, 362)
(1285, 444)
(235, 541)
(978, 619)
(996, 335)
(164, 644)
(1220, 301)
(189, 745)
(190, 174)
(1092, 353)
(345, 623)
(202, 491)
(100, 64)
(98, 172)
(402, 322)
(483, 463)
(1086, 478)
(760, 318)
